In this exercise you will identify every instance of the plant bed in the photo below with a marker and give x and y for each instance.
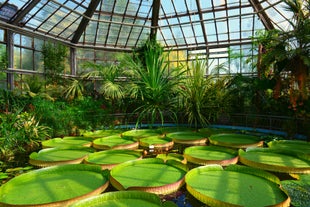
(235, 140)
(115, 142)
(54, 186)
(150, 175)
(235, 186)
(109, 158)
(205, 155)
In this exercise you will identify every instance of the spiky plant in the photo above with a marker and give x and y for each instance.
(154, 84)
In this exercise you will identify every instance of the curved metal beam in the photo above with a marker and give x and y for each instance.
(84, 22)
(155, 17)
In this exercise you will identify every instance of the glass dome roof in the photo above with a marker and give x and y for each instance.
(125, 24)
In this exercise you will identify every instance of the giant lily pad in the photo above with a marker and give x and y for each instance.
(150, 175)
(235, 186)
(297, 146)
(188, 137)
(140, 133)
(115, 142)
(167, 130)
(205, 155)
(123, 198)
(102, 133)
(110, 158)
(172, 156)
(235, 140)
(156, 143)
(208, 131)
(54, 186)
(275, 160)
(57, 156)
(67, 142)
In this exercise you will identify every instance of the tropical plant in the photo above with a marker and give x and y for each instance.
(20, 132)
(203, 97)
(289, 51)
(75, 90)
(194, 93)
(54, 56)
(154, 84)
(109, 76)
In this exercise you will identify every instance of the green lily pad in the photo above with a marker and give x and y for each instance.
(235, 140)
(187, 137)
(121, 199)
(275, 160)
(54, 186)
(235, 186)
(150, 175)
(140, 133)
(78, 138)
(298, 190)
(208, 131)
(205, 155)
(59, 142)
(291, 145)
(101, 133)
(57, 156)
(157, 143)
(115, 142)
(167, 130)
(110, 158)
(172, 156)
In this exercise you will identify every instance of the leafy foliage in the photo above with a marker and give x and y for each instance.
(54, 56)
(203, 97)
(289, 52)
(154, 84)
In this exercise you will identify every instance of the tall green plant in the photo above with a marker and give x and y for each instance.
(204, 99)
(54, 56)
(154, 84)
(194, 93)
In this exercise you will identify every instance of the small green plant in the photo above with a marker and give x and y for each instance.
(20, 133)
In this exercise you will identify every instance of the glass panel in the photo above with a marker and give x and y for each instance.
(38, 63)
(17, 39)
(1, 35)
(17, 58)
(26, 41)
(27, 59)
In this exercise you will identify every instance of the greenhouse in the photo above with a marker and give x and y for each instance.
(182, 103)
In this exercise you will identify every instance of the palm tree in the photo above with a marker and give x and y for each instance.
(111, 87)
